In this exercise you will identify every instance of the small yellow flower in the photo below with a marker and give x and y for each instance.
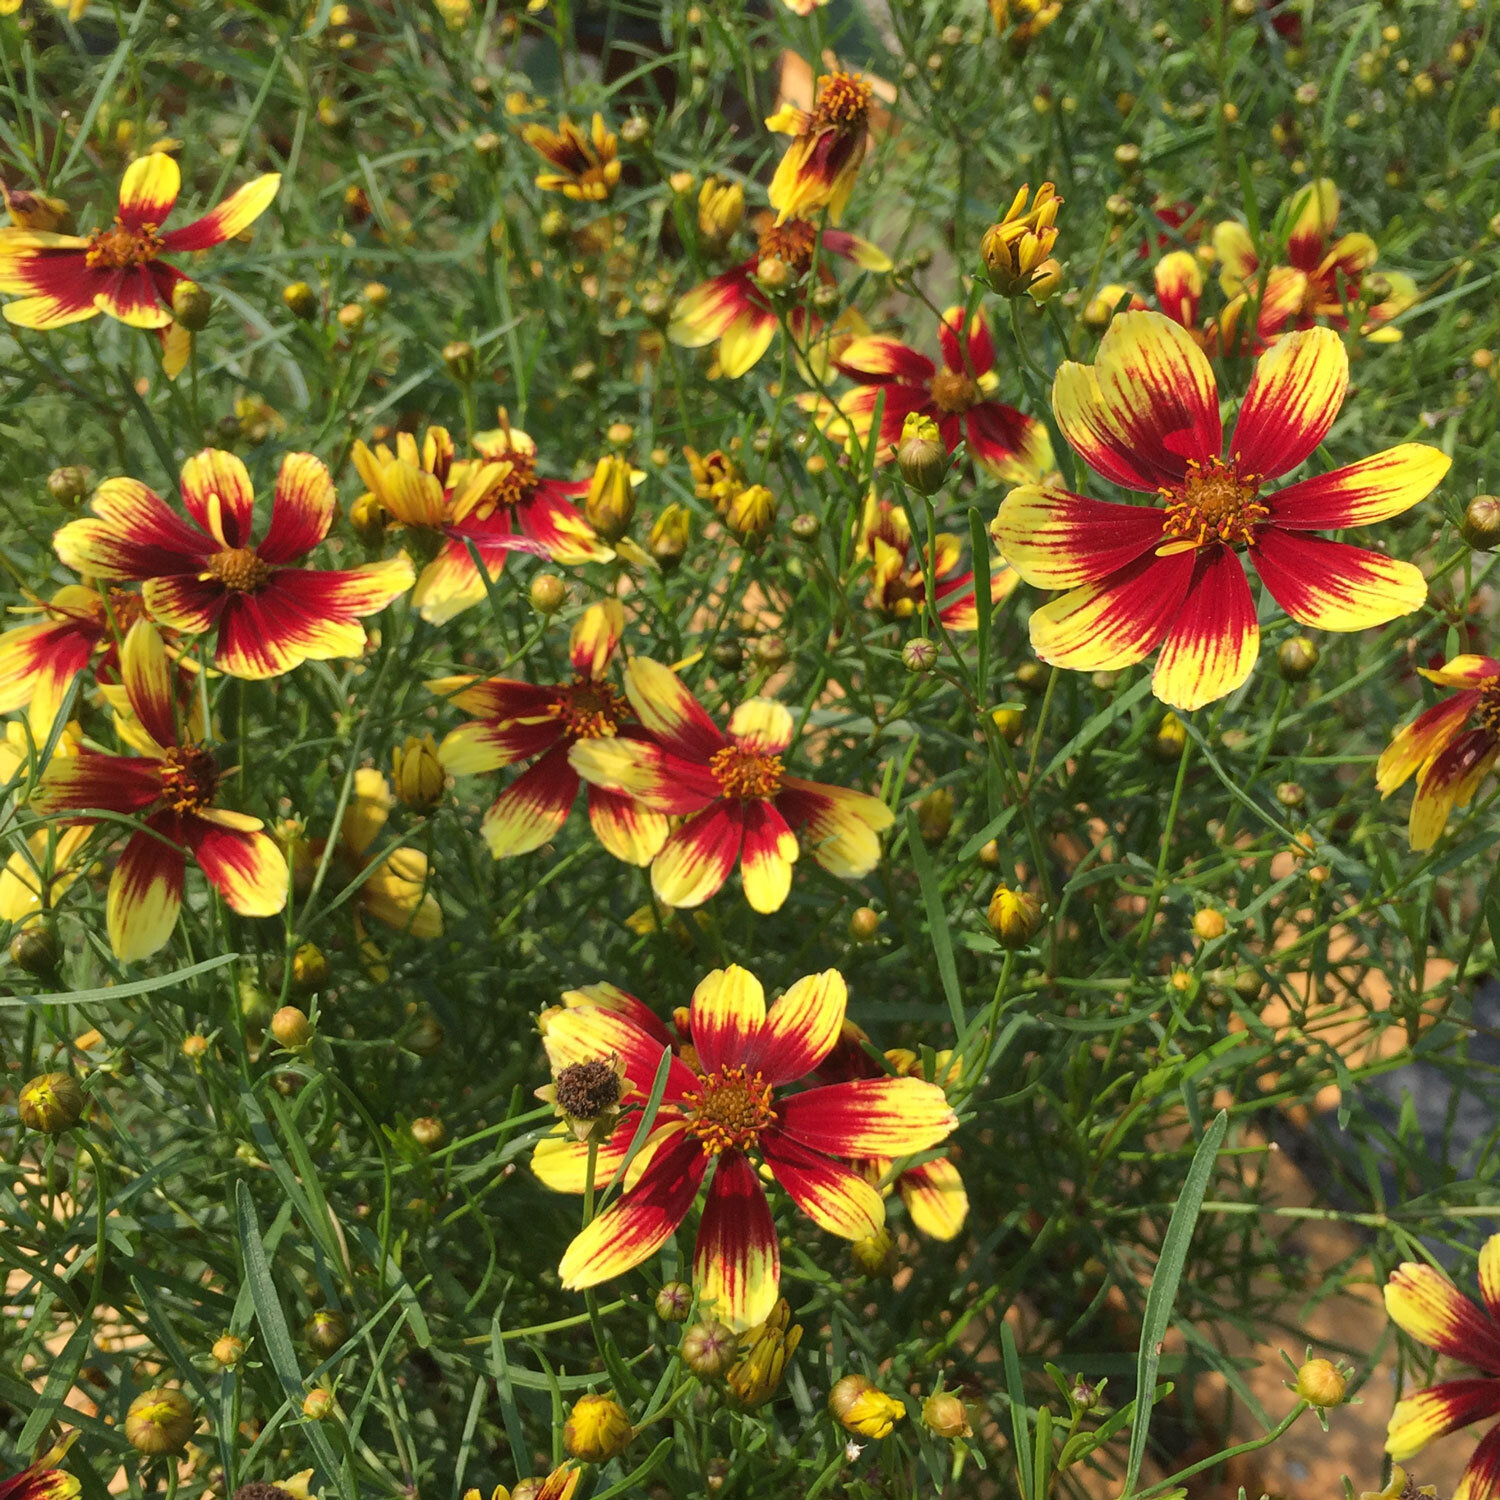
(751, 513)
(1015, 248)
(862, 1407)
(587, 166)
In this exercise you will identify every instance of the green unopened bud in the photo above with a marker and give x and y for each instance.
(548, 593)
(1481, 523)
(1297, 658)
(554, 226)
(68, 485)
(301, 301)
(326, 1331)
(191, 306)
(34, 948)
(428, 1132)
(159, 1422)
(708, 1349)
(921, 454)
(487, 144)
(919, 654)
(771, 651)
(51, 1103)
(806, 527)
(935, 815)
(461, 360)
(674, 1301)
(945, 1415)
(425, 1035)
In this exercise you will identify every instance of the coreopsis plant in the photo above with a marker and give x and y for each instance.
(817, 171)
(1145, 415)
(585, 167)
(735, 1103)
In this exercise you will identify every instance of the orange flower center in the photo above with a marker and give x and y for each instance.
(953, 392)
(590, 709)
(1215, 503)
(189, 778)
(240, 569)
(1488, 711)
(118, 248)
(792, 242)
(126, 607)
(514, 486)
(843, 101)
(730, 1109)
(746, 774)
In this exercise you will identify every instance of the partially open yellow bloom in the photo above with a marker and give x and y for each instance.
(861, 1406)
(1015, 248)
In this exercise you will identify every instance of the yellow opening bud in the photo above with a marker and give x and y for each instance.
(51, 1103)
(159, 1422)
(935, 815)
(301, 301)
(721, 206)
(610, 504)
(1015, 917)
(751, 513)
(1015, 248)
(668, 538)
(317, 1405)
(860, 1406)
(1208, 924)
(597, 1429)
(921, 454)
(1320, 1383)
(765, 1352)
(191, 306)
(417, 773)
(228, 1351)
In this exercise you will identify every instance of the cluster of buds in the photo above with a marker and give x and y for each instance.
(1017, 250)
(748, 510)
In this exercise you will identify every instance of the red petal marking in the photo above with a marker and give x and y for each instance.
(1481, 1476)
(498, 698)
(1426, 1305)
(1445, 1407)
(728, 1009)
(705, 313)
(767, 852)
(801, 1028)
(340, 594)
(612, 997)
(186, 602)
(1179, 287)
(737, 1261)
(532, 808)
(1331, 585)
(584, 1033)
(233, 216)
(874, 359)
(547, 519)
(643, 1219)
(1421, 741)
(981, 347)
(131, 296)
(829, 1193)
(638, 768)
(114, 783)
(148, 190)
(1057, 540)
(61, 276)
(868, 1117)
(1117, 621)
(1359, 494)
(135, 536)
(1214, 639)
(39, 1483)
(44, 658)
(896, 403)
(1000, 436)
(148, 680)
(696, 860)
(630, 831)
(302, 510)
(1489, 1276)
(145, 891)
(218, 494)
(246, 868)
(1294, 396)
(669, 712)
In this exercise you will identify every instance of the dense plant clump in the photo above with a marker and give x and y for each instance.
(716, 719)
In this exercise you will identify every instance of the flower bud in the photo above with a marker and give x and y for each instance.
(1085, 1394)
(37, 211)
(721, 206)
(488, 144)
(326, 1331)
(919, 654)
(751, 512)
(68, 485)
(1010, 724)
(1015, 917)
(773, 274)
(51, 1103)
(301, 301)
(708, 1349)
(1291, 795)
(945, 1415)
(875, 1255)
(674, 1301)
(610, 503)
(668, 538)
(806, 527)
(681, 183)
(317, 1405)
(864, 924)
(425, 1035)
(461, 360)
(1170, 739)
(597, 1429)
(548, 593)
(1208, 924)
(1320, 1383)
(417, 773)
(771, 651)
(921, 454)
(228, 1351)
(1046, 280)
(34, 948)
(861, 1407)
(351, 316)
(765, 1352)
(1015, 248)
(428, 1132)
(159, 1422)
(1297, 658)
(554, 226)
(367, 519)
(1481, 523)
(935, 815)
(635, 130)
(195, 1047)
(989, 854)
(191, 306)
(291, 1028)
(309, 969)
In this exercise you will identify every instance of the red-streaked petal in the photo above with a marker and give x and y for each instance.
(532, 808)
(1294, 396)
(1463, 671)
(1448, 781)
(548, 517)
(472, 749)
(669, 712)
(981, 347)
(1315, 210)
(935, 1197)
(869, 1117)
(218, 494)
(148, 682)
(233, 216)
(1236, 255)
(762, 726)
(187, 602)
(1436, 1411)
(802, 1027)
(132, 296)
(450, 583)
(587, 1032)
(696, 860)
(745, 340)
(1422, 1302)
(1214, 639)
(842, 826)
(113, 783)
(1007, 443)
(706, 312)
(630, 832)
(561, 1161)
(1333, 586)
(622, 1003)
(40, 1482)
(729, 1007)
(1116, 622)
(1489, 1276)
(148, 190)
(135, 535)
(866, 255)
(1416, 744)
(635, 768)
(1179, 287)
(643, 1219)
(767, 854)
(1480, 1479)
(39, 661)
(302, 510)
(595, 636)
(497, 698)
(879, 359)
(247, 869)
(145, 892)
(829, 1193)
(1374, 489)
(1058, 540)
(737, 1262)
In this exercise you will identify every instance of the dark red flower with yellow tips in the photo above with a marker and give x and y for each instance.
(958, 397)
(270, 614)
(819, 167)
(119, 270)
(42, 1479)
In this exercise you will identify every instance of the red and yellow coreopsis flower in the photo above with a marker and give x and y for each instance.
(270, 615)
(1146, 416)
(119, 270)
(737, 800)
(733, 308)
(515, 721)
(171, 789)
(898, 582)
(818, 169)
(1423, 1303)
(42, 1479)
(1450, 748)
(957, 397)
(44, 863)
(586, 167)
(497, 501)
(714, 1115)
(1324, 276)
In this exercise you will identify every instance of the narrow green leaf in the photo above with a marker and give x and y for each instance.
(1020, 1422)
(121, 991)
(937, 922)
